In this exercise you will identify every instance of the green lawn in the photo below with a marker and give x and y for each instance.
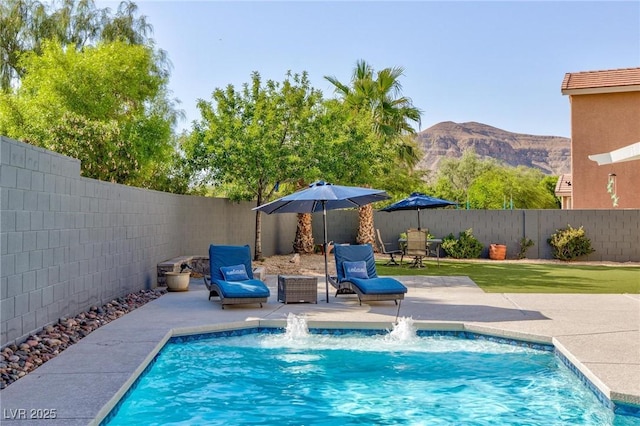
(510, 277)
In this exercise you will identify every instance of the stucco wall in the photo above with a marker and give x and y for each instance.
(602, 123)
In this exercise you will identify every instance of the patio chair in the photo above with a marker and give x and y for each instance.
(356, 274)
(417, 246)
(232, 277)
(390, 253)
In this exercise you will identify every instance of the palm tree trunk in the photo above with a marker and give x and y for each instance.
(258, 241)
(366, 230)
(303, 242)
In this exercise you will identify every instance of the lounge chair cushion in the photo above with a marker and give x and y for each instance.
(248, 288)
(380, 285)
(234, 272)
(355, 270)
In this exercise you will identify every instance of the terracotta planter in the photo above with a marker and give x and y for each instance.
(178, 281)
(497, 251)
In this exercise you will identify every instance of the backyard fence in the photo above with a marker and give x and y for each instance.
(69, 242)
(614, 234)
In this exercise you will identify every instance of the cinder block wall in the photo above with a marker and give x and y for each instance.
(69, 242)
(614, 234)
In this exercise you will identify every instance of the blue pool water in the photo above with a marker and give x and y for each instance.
(394, 378)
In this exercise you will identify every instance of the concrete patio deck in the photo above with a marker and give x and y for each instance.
(600, 334)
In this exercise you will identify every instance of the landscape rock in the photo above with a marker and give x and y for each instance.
(17, 361)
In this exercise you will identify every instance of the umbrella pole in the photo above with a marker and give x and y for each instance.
(326, 265)
(419, 220)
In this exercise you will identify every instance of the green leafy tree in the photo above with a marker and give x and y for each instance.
(549, 183)
(455, 176)
(488, 184)
(490, 190)
(251, 141)
(25, 25)
(504, 186)
(347, 152)
(105, 105)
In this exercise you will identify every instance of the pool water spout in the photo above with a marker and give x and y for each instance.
(403, 330)
(296, 327)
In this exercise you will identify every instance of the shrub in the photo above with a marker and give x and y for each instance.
(525, 243)
(569, 243)
(465, 247)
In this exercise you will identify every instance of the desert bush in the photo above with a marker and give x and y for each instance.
(569, 243)
(465, 247)
(525, 243)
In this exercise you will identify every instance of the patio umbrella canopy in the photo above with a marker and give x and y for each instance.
(418, 201)
(320, 197)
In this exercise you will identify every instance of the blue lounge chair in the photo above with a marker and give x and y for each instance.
(356, 274)
(232, 278)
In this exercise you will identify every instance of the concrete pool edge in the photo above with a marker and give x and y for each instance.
(113, 402)
(629, 404)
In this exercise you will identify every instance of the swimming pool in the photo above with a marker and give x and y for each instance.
(264, 376)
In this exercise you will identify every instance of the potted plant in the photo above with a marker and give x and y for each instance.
(179, 281)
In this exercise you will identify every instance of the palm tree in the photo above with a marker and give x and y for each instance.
(391, 113)
(392, 116)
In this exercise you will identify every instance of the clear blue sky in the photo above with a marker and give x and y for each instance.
(498, 63)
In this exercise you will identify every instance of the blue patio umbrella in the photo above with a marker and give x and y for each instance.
(418, 201)
(320, 197)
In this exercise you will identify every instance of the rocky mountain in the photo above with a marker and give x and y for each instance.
(551, 154)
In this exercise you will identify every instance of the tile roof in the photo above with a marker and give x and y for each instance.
(601, 79)
(563, 186)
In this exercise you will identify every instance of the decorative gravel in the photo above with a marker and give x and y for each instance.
(17, 361)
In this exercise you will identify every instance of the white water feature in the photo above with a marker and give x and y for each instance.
(403, 331)
(296, 327)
